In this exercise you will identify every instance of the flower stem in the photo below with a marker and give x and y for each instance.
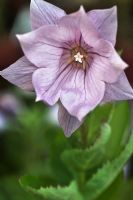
(84, 135)
(81, 178)
(81, 181)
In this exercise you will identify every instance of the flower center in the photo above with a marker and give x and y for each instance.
(78, 57)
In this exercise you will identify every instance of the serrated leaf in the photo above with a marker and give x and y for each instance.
(80, 160)
(66, 193)
(37, 182)
(107, 174)
(52, 193)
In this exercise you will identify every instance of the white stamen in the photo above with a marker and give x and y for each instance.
(78, 57)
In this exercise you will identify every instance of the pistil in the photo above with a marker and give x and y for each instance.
(78, 57)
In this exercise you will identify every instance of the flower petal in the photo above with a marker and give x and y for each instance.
(106, 23)
(20, 74)
(88, 30)
(78, 21)
(81, 93)
(44, 46)
(69, 123)
(121, 90)
(48, 83)
(107, 64)
(117, 62)
(44, 13)
(42, 80)
(72, 22)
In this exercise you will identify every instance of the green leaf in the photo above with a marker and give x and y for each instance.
(61, 193)
(51, 193)
(108, 173)
(80, 160)
(37, 182)
(121, 189)
(11, 190)
(95, 119)
(120, 123)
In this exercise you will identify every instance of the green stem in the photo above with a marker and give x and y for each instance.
(84, 136)
(81, 181)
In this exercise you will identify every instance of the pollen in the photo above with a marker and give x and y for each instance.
(78, 57)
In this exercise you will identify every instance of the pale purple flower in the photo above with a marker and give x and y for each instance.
(10, 107)
(70, 59)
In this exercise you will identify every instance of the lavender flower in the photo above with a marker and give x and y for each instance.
(70, 59)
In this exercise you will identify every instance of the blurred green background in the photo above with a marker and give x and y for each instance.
(29, 132)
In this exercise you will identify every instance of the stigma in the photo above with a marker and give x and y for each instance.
(78, 57)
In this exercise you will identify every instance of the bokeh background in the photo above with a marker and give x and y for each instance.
(28, 131)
